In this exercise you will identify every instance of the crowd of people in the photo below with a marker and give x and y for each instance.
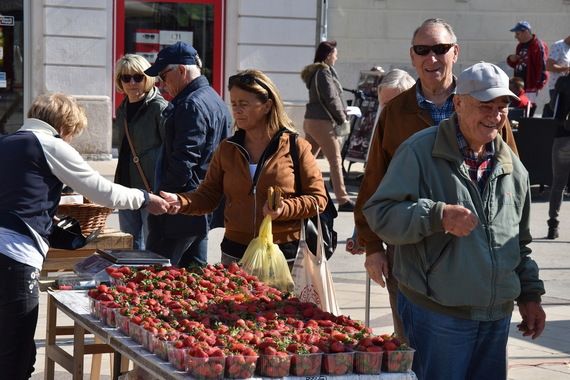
(442, 213)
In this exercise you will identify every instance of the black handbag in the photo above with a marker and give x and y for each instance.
(327, 216)
(66, 234)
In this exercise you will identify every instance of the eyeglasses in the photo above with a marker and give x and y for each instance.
(162, 75)
(126, 78)
(438, 49)
(247, 80)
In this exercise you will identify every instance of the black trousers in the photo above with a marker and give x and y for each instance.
(19, 302)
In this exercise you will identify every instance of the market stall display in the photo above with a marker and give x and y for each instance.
(223, 322)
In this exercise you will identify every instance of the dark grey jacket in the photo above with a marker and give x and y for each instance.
(147, 134)
(330, 91)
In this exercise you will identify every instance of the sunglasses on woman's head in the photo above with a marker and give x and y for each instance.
(438, 49)
(247, 80)
(126, 78)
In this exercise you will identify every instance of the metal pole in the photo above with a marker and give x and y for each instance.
(367, 302)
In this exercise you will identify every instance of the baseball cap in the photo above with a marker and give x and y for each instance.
(180, 53)
(521, 25)
(484, 81)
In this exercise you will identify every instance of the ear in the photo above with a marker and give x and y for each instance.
(268, 105)
(455, 53)
(458, 101)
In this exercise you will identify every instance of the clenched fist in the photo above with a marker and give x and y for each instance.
(458, 220)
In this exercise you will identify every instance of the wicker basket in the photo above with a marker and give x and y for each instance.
(90, 216)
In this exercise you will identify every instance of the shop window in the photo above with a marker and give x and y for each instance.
(11, 66)
(151, 25)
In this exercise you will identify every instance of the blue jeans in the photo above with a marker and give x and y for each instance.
(135, 222)
(560, 172)
(449, 348)
(19, 302)
(182, 251)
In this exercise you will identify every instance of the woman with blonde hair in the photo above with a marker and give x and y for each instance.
(245, 165)
(35, 162)
(141, 132)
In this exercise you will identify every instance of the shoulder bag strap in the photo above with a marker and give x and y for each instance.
(294, 151)
(136, 159)
(321, 100)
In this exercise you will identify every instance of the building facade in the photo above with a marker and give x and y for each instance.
(71, 45)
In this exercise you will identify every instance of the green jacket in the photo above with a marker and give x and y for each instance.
(147, 134)
(474, 277)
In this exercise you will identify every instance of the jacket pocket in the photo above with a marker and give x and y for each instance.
(436, 257)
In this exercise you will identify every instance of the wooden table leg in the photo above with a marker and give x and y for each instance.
(78, 351)
(96, 362)
(49, 367)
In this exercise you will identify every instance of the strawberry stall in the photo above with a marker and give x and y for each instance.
(220, 322)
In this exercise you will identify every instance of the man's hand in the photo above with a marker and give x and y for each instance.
(376, 265)
(514, 58)
(173, 201)
(533, 319)
(458, 220)
(156, 205)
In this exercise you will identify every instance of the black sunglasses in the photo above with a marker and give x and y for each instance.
(438, 49)
(162, 75)
(247, 80)
(126, 78)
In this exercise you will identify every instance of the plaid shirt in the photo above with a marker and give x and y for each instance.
(437, 113)
(479, 167)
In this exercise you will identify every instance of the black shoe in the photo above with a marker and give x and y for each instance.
(552, 233)
(347, 206)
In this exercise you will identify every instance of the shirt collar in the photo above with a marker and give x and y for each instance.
(423, 102)
(468, 153)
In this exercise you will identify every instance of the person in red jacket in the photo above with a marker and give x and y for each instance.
(516, 85)
(529, 61)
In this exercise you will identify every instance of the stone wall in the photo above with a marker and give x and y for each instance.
(72, 53)
(379, 32)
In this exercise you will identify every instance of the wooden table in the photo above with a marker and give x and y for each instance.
(75, 304)
(62, 260)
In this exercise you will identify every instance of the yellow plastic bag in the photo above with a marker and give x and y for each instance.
(264, 259)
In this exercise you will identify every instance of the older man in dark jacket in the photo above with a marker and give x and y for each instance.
(196, 121)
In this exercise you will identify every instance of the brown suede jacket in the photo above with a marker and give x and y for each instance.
(401, 118)
(229, 175)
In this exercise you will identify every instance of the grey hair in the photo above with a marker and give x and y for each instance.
(193, 70)
(397, 78)
(436, 21)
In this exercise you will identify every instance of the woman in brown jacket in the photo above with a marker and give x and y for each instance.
(245, 165)
(324, 111)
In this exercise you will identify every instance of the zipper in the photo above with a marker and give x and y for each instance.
(486, 191)
(484, 205)
(246, 156)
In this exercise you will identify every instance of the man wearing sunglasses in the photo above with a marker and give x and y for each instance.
(456, 201)
(433, 53)
(196, 121)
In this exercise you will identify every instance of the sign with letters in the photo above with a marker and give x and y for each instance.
(7, 20)
(169, 37)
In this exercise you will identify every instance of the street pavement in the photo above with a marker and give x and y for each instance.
(547, 357)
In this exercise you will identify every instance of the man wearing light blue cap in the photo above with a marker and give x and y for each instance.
(529, 61)
(455, 202)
